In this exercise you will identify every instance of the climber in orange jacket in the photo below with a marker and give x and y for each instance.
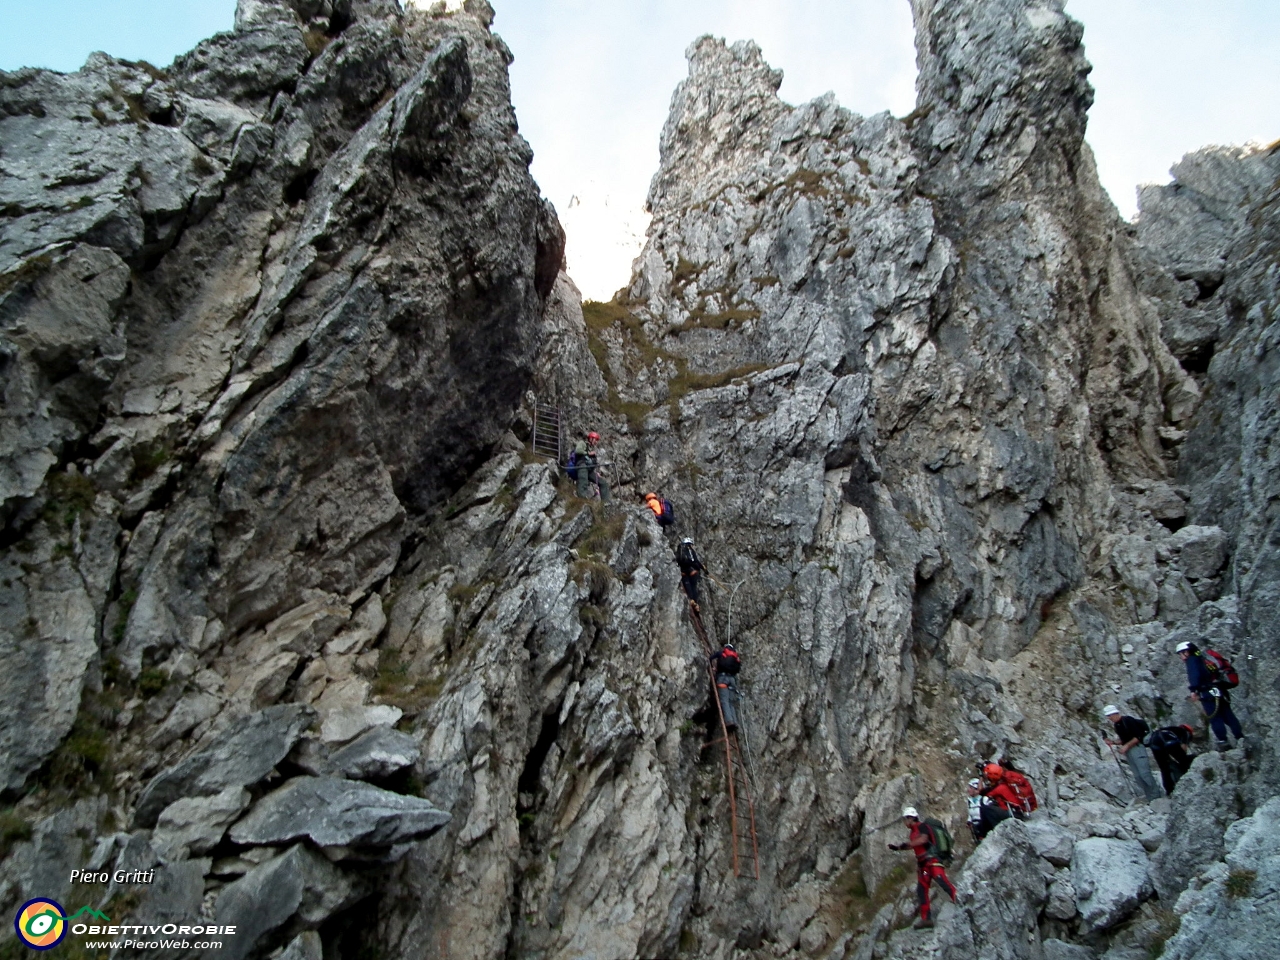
(663, 514)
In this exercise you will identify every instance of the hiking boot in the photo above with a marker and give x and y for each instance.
(694, 606)
(1221, 746)
(923, 923)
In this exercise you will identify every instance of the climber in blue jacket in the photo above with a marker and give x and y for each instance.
(1203, 682)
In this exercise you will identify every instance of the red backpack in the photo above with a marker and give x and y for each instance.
(1221, 666)
(1022, 787)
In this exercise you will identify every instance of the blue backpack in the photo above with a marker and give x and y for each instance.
(571, 468)
(668, 515)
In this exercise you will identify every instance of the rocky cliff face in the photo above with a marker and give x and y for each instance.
(295, 613)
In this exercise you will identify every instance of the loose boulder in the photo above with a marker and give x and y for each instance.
(196, 824)
(242, 756)
(376, 754)
(1053, 842)
(1111, 879)
(338, 813)
(300, 882)
(1202, 551)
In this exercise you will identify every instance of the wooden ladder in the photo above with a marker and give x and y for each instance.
(742, 808)
(548, 435)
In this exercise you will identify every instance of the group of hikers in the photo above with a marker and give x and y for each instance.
(1210, 677)
(1000, 792)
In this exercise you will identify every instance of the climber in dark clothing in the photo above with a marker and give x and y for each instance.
(1203, 683)
(1169, 746)
(690, 570)
(929, 868)
(984, 814)
(725, 663)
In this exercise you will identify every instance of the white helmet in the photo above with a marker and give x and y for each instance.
(1109, 709)
(975, 783)
(910, 812)
(1184, 645)
(688, 540)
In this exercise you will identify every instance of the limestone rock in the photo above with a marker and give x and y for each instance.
(1061, 950)
(245, 753)
(305, 946)
(347, 723)
(1051, 841)
(1062, 898)
(1201, 551)
(337, 813)
(194, 825)
(1234, 916)
(1000, 896)
(1111, 879)
(1206, 802)
(299, 884)
(176, 894)
(376, 754)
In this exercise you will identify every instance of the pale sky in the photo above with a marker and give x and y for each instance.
(592, 81)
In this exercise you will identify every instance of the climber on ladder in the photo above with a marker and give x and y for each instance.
(690, 570)
(726, 663)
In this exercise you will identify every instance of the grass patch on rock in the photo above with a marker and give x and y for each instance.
(854, 905)
(13, 829)
(605, 531)
(1240, 883)
(69, 495)
(395, 684)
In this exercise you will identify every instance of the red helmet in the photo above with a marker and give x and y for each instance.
(593, 435)
(993, 771)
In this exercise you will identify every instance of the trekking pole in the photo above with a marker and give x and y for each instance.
(1124, 774)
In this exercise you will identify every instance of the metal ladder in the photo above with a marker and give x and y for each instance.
(548, 435)
(742, 809)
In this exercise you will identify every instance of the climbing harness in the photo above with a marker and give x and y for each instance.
(742, 811)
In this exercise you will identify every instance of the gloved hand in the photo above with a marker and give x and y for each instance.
(894, 846)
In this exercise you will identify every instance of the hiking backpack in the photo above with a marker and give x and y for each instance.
(1164, 739)
(571, 467)
(1021, 786)
(685, 555)
(942, 847)
(668, 515)
(727, 661)
(1225, 674)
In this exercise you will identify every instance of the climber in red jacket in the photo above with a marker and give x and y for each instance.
(924, 843)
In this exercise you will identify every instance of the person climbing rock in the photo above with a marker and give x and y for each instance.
(984, 814)
(1208, 683)
(726, 663)
(1169, 747)
(1009, 790)
(663, 513)
(1131, 733)
(923, 841)
(690, 570)
(586, 458)
(594, 475)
